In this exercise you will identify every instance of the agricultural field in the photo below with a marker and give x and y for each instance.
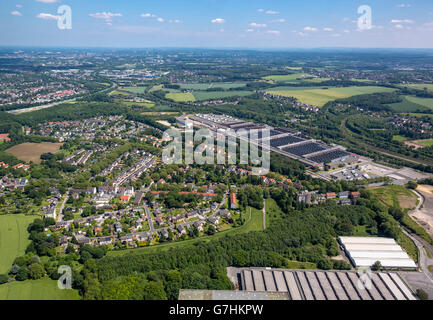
(13, 238)
(412, 104)
(319, 97)
(204, 95)
(42, 289)
(32, 151)
(205, 86)
(146, 104)
(426, 102)
(119, 93)
(419, 86)
(134, 89)
(180, 97)
(287, 77)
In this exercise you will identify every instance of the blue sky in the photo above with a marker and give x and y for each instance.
(218, 23)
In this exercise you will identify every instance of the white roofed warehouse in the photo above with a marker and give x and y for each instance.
(365, 251)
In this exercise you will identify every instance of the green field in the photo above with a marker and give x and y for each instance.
(134, 89)
(425, 143)
(399, 138)
(419, 115)
(419, 86)
(205, 86)
(146, 104)
(426, 102)
(412, 104)
(254, 222)
(42, 289)
(180, 97)
(321, 96)
(287, 77)
(13, 238)
(205, 95)
(273, 212)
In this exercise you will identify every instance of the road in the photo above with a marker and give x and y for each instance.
(60, 215)
(422, 245)
(149, 218)
(424, 261)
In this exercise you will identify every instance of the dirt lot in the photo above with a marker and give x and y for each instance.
(424, 215)
(32, 151)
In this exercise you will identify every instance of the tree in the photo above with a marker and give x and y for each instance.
(36, 271)
(3, 278)
(377, 266)
(22, 274)
(154, 291)
(422, 295)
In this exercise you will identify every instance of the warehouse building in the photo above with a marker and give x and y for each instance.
(322, 285)
(363, 252)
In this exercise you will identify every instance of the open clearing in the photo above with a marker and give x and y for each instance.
(412, 104)
(426, 102)
(419, 86)
(204, 95)
(32, 151)
(180, 97)
(42, 289)
(288, 77)
(424, 143)
(205, 86)
(13, 238)
(320, 97)
(397, 196)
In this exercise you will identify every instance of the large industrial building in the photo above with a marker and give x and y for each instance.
(363, 252)
(323, 285)
(285, 141)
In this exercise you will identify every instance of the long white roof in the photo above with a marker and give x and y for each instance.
(380, 254)
(367, 240)
(386, 263)
(365, 251)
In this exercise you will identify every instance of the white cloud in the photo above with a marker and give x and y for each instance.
(335, 35)
(273, 32)
(148, 15)
(310, 29)
(19, 6)
(16, 13)
(175, 21)
(402, 21)
(160, 20)
(328, 29)
(250, 30)
(346, 31)
(47, 16)
(272, 12)
(399, 26)
(277, 21)
(107, 16)
(403, 5)
(258, 25)
(219, 20)
(302, 34)
(48, 1)
(260, 10)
